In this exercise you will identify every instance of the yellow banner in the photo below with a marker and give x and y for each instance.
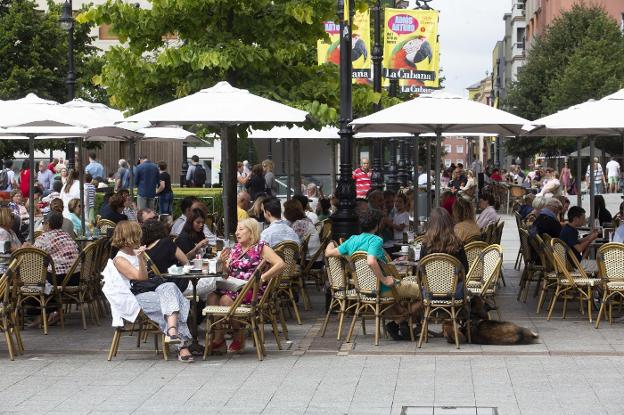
(411, 49)
(329, 52)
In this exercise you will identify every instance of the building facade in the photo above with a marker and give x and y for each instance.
(541, 13)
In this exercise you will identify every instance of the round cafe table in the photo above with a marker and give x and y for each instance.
(193, 277)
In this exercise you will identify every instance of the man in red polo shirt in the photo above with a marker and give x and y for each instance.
(362, 177)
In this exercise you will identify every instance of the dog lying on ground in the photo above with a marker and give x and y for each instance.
(486, 331)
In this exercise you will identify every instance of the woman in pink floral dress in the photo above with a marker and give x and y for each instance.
(242, 262)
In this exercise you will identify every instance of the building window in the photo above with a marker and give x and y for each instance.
(458, 161)
(459, 149)
(520, 37)
(447, 148)
(447, 163)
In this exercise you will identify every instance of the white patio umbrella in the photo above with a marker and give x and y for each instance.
(592, 118)
(441, 113)
(222, 106)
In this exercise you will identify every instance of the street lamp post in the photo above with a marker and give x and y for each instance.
(344, 221)
(377, 56)
(67, 23)
(393, 182)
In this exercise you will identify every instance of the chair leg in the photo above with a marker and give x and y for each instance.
(377, 324)
(352, 326)
(83, 314)
(113, 349)
(540, 300)
(257, 342)
(553, 302)
(44, 315)
(589, 303)
(341, 316)
(454, 318)
(18, 335)
(9, 340)
(602, 307)
(283, 322)
(291, 296)
(307, 305)
(327, 316)
(165, 346)
(423, 328)
(208, 338)
(276, 333)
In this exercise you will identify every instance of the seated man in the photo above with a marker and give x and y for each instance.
(547, 222)
(143, 215)
(278, 230)
(373, 245)
(570, 235)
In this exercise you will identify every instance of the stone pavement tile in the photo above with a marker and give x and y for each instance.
(369, 410)
(338, 410)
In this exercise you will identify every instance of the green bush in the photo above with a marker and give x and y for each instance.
(179, 193)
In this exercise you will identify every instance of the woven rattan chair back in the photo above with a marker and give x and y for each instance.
(326, 230)
(439, 275)
(303, 252)
(562, 258)
(8, 294)
(499, 232)
(610, 260)
(473, 238)
(473, 250)
(525, 247)
(491, 259)
(336, 274)
(366, 282)
(33, 266)
(547, 238)
(288, 251)
(88, 264)
(105, 226)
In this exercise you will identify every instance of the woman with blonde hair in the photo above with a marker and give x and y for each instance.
(7, 234)
(71, 190)
(161, 301)
(269, 177)
(241, 263)
(465, 220)
(73, 214)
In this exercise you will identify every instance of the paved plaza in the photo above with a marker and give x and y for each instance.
(574, 369)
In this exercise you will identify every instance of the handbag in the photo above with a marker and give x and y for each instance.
(152, 282)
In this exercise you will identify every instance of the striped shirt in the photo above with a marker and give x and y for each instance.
(89, 193)
(362, 182)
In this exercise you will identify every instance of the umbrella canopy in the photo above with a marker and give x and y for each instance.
(119, 133)
(585, 153)
(223, 106)
(34, 111)
(441, 113)
(220, 105)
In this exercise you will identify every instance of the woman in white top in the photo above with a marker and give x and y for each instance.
(488, 213)
(400, 218)
(551, 185)
(164, 304)
(303, 226)
(70, 190)
(467, 191)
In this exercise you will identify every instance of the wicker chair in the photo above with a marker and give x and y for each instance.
(550, 275)
(266, 310)
(519, 225)
(368, 295)
(439, 275)
(8, 319)
(473, 238)
(473, 250)
(569, 285)
(32, 271)
(299, 280)
(481, 280)
(145, 327)
(342, 298)
(532, 269)
(289, 252)
(611, 265)
(81, 294)
(217, 315)
(105, 226)
(310, 273)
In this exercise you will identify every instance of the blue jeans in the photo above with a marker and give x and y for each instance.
(597, 188)
(165, 203)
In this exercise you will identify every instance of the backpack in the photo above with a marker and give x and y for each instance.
(199, 176)
(4, 179)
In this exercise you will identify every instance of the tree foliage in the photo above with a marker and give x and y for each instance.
(33, 58)
(579, 57)
(181, 46)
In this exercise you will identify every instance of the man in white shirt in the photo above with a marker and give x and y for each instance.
(278, 230)
(613, 175)
(10, 182)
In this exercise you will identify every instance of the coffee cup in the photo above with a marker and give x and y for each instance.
(404, 249)
(197, 263)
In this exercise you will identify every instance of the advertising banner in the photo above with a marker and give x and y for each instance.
(360, 49)
(411, 49)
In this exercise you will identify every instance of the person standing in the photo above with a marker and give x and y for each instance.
(94, 168)
(52, 165)
(362, 177)
(71, 190)
(565, 176)
(7, 177)
(599, 178)
(613, 175)
(164, 192)
(269, 177)
(24, 178)
(147, 180)
(45, 178)
(122, 181)
(256, 184)
(196, 174)
(241, 177)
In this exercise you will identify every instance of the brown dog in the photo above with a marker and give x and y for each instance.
(485, 331)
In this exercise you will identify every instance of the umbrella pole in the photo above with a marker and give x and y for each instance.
(415, 180)
(132, 165)
(428, 172)
(82, 195)
(31, 190)
(287, 156)
(579, 174)
(437, 169)
(297, 166)
(228, 152)
(592, 207)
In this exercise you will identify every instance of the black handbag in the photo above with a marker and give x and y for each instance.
(152, 282)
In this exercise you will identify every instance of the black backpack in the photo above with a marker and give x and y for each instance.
(199, 176)
(4, 179)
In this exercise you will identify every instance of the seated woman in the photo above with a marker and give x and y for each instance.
(467, 191)
(488, 206)
(75, 208)
(164, 253)
(242, 262)
(163, 304)
(17, 206)
(192, 240)
(440, 238)
(302, 225)
(464, 218)
(113, 211)
(8, 239)
(600, 211)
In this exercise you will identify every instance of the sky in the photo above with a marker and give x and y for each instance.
(468, 30)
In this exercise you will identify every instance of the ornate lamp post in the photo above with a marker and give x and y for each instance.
(345, 220)
(67, 23)
(377, 178)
